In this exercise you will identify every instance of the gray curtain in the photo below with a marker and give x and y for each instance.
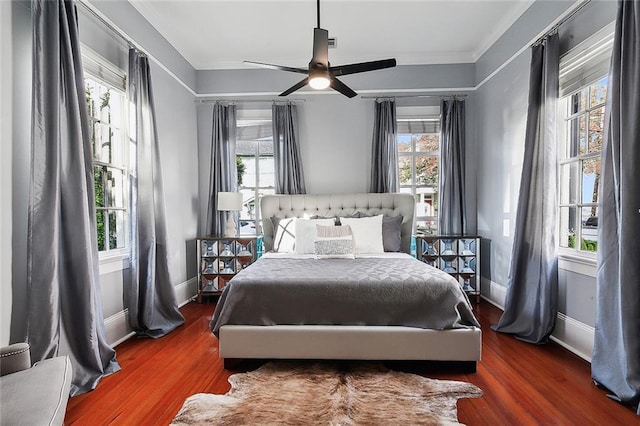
(286, 150)
(223, 176)
(153, 309)
(384, 156)
(532, 292)
(616, 353)
(64, 308)
(451, 210)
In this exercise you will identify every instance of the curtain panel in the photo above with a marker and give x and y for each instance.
(384, 156)
(289, 178)
(451, 211)
(151, 301)
(64, 307)
(532, 292)
(223, 176)
(615, 364)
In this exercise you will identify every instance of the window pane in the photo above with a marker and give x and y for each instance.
(589, 229)
(429, 142)
(99, 175)
(267, 172)
(426, 227)
(596, 129)
(590, 180)
(568, 227)
(89, 91)
(578, 102)
(577, 136)
(404, 170)
(598, 92)
(101, 227)
(247, 227)
(116, 229)
(115, 186)
(426, 170)
(101, 138)
(426, 202)
(404, 143)
(103, 104)
(248, 211)
(569, 183)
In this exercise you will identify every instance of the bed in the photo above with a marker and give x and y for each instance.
(381, 306)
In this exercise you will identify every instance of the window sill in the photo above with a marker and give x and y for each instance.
(113, 262)
(578, 264)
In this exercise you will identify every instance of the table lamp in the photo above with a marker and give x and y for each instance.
(229, 202)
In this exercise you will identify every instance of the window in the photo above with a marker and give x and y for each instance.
(418, 165)
(106, 107)
(254, 159)
(583, 88)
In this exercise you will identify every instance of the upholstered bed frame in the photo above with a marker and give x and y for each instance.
(346, 342)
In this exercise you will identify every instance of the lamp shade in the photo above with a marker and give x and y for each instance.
(229, 201)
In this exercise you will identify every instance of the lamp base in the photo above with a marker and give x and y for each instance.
(230, 226)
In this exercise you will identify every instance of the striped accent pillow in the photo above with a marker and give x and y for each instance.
(333, 231)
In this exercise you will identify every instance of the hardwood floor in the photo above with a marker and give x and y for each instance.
(523, 384)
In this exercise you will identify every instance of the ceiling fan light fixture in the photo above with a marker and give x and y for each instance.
(319, 82)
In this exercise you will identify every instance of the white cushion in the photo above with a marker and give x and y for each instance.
(305, 234)
(367, 233)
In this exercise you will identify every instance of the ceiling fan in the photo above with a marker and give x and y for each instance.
(320, 73)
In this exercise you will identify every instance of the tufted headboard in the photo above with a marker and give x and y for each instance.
(331, 205)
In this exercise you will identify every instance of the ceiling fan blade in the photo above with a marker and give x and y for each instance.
(295, 87)
(277, 67)
(320, 47)
(362, 67)
(339, 86)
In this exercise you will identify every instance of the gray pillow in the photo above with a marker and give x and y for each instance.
(391, 231)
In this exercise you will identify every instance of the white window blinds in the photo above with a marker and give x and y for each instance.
(587, 62)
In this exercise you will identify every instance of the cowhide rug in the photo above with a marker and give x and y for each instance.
(298, 393)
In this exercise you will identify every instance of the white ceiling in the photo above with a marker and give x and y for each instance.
(220, 34)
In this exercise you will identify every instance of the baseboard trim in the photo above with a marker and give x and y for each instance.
(186, 291)
(574, 335)
(117, 327)
(571, 334)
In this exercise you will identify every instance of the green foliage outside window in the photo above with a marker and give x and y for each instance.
(241, 168)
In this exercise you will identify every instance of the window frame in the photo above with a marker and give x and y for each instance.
(414, 154)
(102, 72)
(581, 67)
(258, 190)
(565, 159)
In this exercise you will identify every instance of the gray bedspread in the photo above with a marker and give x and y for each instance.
(364, 291)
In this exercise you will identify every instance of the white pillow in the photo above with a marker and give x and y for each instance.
(367, 233)
(306, 233)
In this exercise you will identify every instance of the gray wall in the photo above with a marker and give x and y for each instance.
(177, 132)
(502, 108)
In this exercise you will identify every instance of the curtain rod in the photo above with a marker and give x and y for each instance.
(414, 96)
(562, 21)
(242, 101)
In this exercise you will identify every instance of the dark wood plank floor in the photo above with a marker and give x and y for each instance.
(523, 384)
